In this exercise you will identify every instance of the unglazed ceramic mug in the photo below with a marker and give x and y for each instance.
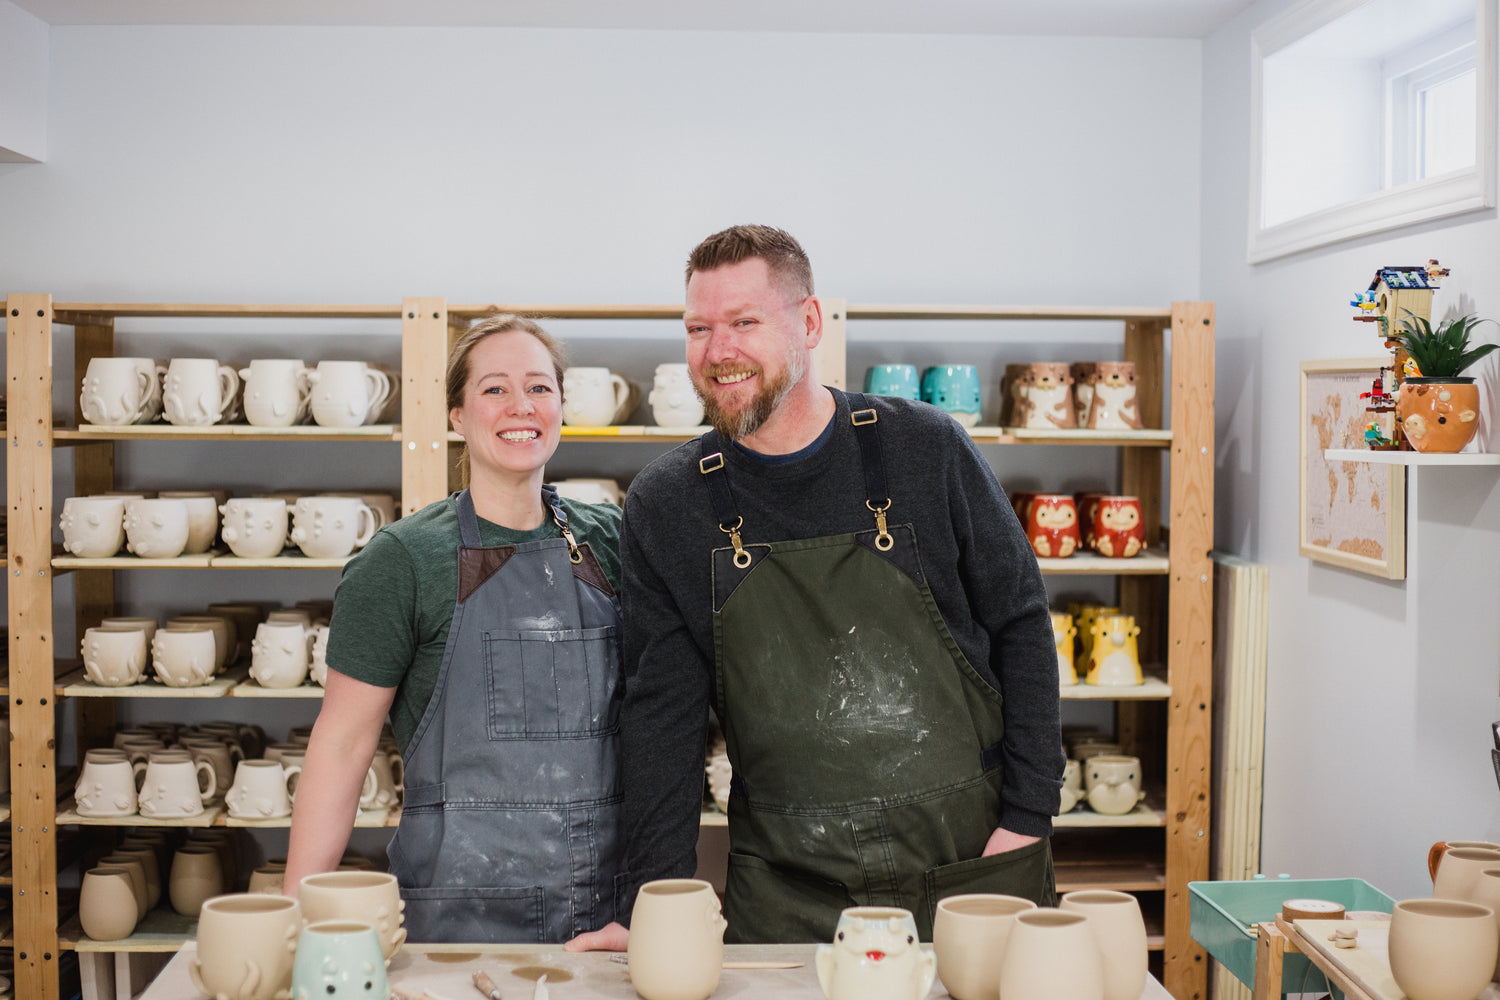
(255, 527)
(384, 782)
(202, 515)
(197, 875)
(222, 626)
(223, 756)
(93, 527)
(140, 883)
(1072, 787)
(1120, 932)
(338, 958)
(261, 790)
(279, 654)
(674, 401)
(156, 528)
(268, 878)
(592, 396)
(106, 784)
(969, 933)
(197, 392)
(114, 655)
(1442, 949)
(584, 490)
(115, 391)
(106, 904)
(1459, 869)
(875, 953)
(331, 527)
(676, 947)
(1436, 852)
(277, 392)
(347, 393)
(176, 785)
(1487, 893)
(1113, 783)
(318, 668)
(1050, 954)
(369, 896)
(246, 944)
(186, 656)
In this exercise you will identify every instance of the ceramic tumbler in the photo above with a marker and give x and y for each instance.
(893, 380)
(338, 958)
(1120, 931)
(357, 895)
(875, 953)
(1051, 954)
(138, 879)
(1442, 949)
(149, 865)
(969, 933)
(106, 904)
(676, 944)
(245, 946)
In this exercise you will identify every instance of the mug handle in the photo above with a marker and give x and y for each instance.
(143, 407)
(288, 772)
(205, 767)
(398, 772)
(229, 387)
(369, 790)
(380, 390)
(139, 767)
(622, 394)
(371, 519)
(1435, 857)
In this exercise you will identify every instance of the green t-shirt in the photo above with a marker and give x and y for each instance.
(395, 601)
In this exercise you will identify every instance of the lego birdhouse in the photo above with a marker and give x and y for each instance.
(1394, 293)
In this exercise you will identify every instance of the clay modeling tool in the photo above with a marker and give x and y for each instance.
(623, 960)
(541, 992)
(485, 985)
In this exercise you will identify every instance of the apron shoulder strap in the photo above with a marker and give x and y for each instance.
(553, 502)
(468, 521)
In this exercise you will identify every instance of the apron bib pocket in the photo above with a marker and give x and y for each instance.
(784, 905)
(1024, 872)
(476, 913)
(551, 684)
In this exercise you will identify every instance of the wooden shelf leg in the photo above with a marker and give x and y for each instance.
(1270, 952)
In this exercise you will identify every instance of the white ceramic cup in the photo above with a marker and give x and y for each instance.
(156, 371)
(318, 666)
(176, 785)
(279, 654)
(261, 790)
(156, 529)
(106, 784)
(93, 527)
(302, 616)
(255, 527)
(277, 392)
(220, 626)
(592, 396)
(384, 782)
(331, 527)
(674, 402)
(184, 657)
(115, 391)
(114, 655)
(197, 392)
(203, 518)
(346, 393)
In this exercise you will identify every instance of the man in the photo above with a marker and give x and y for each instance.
(842, 579)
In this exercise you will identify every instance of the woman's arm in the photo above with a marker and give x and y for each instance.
(333, 772)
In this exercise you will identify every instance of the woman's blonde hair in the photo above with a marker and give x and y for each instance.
(459, 367)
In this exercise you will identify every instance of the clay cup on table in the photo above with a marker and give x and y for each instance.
(279, 654)
(196, 875)
(1458, 871)
(246, 945)
(339, 958)
(969, 933)
(1442, 949)
(676, 947)
(357, 895)
(261, 790)
(1051, 954)
(1120, 932)
(875, 954)
(106, 904)
(1436, 852)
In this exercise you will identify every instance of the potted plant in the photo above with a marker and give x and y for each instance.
(1438, 407)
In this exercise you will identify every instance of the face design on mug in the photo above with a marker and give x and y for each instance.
(870, 958)
(93, 404)
(1113, 787)
(1120, 517)
(1054, 516)
(1049, 379)
(583, 386)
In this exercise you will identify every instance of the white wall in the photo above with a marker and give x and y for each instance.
(23, 85)
(1380, 693)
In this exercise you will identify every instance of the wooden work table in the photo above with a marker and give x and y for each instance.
(445, 971)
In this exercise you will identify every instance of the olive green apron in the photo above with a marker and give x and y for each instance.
(866, 750)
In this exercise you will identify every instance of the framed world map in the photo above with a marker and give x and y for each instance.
(1350, 514)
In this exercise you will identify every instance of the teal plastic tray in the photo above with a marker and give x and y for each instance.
(1223, 916)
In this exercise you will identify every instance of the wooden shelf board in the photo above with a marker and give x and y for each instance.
(72, 312)
(712, 817)
(1409, 457)
(1007, 312)
(290, 558)
(252, 689)
(77, 685)
(1154, 689)
(672, 311)
(162, 930)
(1117, 439)
(225, 432)
(1128, 874)
(68, 813)
(367, 819)
(1148, 562)
(1143, 816)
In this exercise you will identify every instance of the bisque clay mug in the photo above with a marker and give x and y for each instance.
(261, 790)
(329, 527)
(1051, 953)
(255, 527)
(222, 626)
(202, 515)
(384, 782)
(347, 393)
(1113, 782)
(1436, 852)
(197, 875)
(197, 392)
(184, 656)
(106, 784)
(156, 528)
(674, 401)
(1442, 949)
(277, 392)
(592, 396)
(279, 654)
(106, 904)
(338, 958)
(1458, 872)
(138, 885)
(93, 527)
(246, 944)
(114, 655)
(318, 668)
(969, 933)
(176, 785)
(115, 391)
(1072, 787)
(370, 896)
(676, 947)
(1120, 932)
(874, 956)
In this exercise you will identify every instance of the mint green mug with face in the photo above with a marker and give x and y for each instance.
(339, 960)
(893, 380)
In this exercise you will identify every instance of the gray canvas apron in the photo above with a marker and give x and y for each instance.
(865, 748)
(511, 829)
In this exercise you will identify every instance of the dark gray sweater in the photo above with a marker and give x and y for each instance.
(974, 553)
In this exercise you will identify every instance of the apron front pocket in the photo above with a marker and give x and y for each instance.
(552, 684)
(767, 904)
(509, 914)
(1024, 872)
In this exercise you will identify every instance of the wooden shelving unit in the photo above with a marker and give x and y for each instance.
(1169, 589)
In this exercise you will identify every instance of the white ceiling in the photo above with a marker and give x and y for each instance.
(1119, 18)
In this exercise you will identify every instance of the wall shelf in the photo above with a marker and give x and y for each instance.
(1411, 458)
(226, 432)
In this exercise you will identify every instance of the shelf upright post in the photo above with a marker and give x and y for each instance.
(28, 467)
(1190, 656)
(424, 407)
(830, 358)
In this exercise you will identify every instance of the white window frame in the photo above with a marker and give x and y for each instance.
(1402, 205)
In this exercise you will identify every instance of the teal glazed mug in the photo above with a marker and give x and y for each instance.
(893, 380)
(953, 389)
(339, 960)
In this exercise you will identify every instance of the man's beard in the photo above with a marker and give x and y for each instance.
(749, 418)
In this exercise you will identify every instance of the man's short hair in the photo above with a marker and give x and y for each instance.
(778, 248)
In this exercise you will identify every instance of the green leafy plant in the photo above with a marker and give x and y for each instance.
(1442, 352)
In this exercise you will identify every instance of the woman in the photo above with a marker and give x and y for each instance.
(486, 626)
